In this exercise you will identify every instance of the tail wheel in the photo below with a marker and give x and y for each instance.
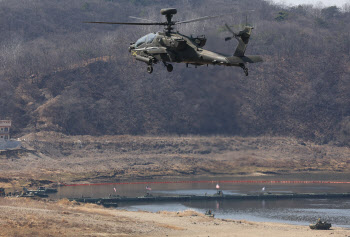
(169, 67)
(246, 72)
(149, 69)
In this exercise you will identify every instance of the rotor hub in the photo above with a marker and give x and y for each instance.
(169, 13)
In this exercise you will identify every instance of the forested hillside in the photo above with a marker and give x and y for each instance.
(59, 74)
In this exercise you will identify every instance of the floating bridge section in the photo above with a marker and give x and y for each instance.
(114, 200)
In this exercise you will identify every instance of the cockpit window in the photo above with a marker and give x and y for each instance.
(145, 39)
(150, 38)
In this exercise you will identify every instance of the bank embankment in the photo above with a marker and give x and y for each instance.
(53, 157)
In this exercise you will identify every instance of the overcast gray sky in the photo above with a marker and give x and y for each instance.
(338, 3)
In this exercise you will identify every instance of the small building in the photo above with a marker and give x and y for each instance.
(5, 126)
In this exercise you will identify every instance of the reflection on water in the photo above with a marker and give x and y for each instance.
(297, 211)
(133, 190)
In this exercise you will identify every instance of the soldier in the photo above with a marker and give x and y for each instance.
(2, 192)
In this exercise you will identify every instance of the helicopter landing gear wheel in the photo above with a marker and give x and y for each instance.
(149, 69)
(169, 67)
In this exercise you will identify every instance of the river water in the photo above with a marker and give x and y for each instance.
(292, 211)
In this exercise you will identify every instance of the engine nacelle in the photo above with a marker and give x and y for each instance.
(174, 43)
(200, 40)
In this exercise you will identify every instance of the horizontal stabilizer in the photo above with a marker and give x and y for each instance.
(235, 60)
(252, 59)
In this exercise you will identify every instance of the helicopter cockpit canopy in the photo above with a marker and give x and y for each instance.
(145, 39)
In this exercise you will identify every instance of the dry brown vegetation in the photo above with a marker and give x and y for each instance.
(50, 83)
(54, 157)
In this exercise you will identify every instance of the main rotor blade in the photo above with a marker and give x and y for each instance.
(205, 18)
(138, 18)
(127, 23)
(197, 19)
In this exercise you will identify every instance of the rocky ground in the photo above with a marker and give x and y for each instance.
(26, 217)
(53, 157)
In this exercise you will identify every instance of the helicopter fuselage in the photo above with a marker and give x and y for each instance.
(172, 47)
(178, 48)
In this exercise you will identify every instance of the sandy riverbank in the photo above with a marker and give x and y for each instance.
(26, 217)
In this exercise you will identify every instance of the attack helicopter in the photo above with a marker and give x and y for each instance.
(173, 47)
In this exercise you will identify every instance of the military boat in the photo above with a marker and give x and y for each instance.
(320, 225)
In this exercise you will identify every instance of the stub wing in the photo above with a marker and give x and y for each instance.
(150, 50)
(252, 59)
(156, 50)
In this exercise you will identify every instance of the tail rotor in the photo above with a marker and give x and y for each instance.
(234, 35)
(243, 38)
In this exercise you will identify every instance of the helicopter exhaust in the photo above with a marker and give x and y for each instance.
(143, 59)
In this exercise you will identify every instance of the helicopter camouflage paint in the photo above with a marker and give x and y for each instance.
(172, 47)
